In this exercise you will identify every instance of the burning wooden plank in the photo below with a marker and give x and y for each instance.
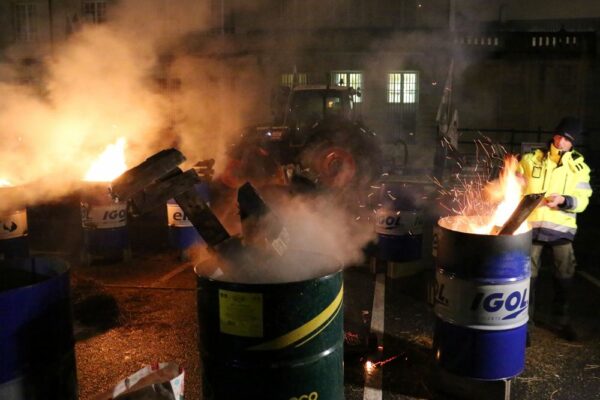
(137, 179)
(525, 207)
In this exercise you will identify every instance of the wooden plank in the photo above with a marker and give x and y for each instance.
(201, 216)
(158, 193)
(260, 224)
(152, 169)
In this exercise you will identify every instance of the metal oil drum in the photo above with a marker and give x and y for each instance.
(182, 234)
(272, 340)
(399, 227)
(104, 225)
(37, 357)
(481, 302)
(14, 234)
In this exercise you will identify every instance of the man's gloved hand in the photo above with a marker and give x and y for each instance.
(554, 200)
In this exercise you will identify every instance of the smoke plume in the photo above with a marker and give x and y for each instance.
(109, 81)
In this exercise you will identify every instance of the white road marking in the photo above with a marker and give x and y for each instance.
(590, 278)
(374, 377)
(172, 273)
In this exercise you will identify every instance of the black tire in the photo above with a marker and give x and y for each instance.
(344, 160)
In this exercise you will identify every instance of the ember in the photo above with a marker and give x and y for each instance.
(492, 207)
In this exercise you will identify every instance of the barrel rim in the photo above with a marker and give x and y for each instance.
(331, 275)
(49, 278)
(454, 231)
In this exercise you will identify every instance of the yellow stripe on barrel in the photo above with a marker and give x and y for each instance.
(304, 330)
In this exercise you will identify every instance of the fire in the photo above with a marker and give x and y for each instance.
(508, 190)
(5, 183)
(502, 197)
(109, 165)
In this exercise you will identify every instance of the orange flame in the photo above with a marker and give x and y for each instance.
(5, 183)
(109, 165)
(506, 193)
(509, 191)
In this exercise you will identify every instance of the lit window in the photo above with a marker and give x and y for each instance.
(24, 22)
(402, 87)
(348, 78)
(288, 79)
(94, 11)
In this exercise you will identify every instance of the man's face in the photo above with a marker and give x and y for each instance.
(562, 143)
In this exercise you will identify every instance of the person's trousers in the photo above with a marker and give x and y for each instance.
(564, 264)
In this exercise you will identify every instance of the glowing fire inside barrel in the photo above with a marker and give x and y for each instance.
(493, 207)
(104, 221)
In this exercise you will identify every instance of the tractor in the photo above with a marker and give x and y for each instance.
(315, 131)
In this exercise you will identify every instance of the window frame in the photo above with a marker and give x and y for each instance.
(98, 12)
(287, 79)
(399, 94)
(24, 30)
(348, 81)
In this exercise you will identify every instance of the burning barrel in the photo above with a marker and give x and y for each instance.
(399, 227)
(104, 223)
(13, 229)
(13, 234)
(481, 302)
(37, 358)
(182, 234)
(272, 340)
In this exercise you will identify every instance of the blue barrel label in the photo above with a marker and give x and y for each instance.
(104, 217)
(13, 225)
(176, 217)
(480, 306)
(398, 223)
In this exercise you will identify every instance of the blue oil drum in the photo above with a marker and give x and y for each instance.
(182, 234)
(481, 302)
(104, 224)
(399, 223)
(37, 358)
(272, 340)
(14, 234)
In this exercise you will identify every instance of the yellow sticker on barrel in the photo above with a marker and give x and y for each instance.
(241, 313)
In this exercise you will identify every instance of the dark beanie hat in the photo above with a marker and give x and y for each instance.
(569, 127)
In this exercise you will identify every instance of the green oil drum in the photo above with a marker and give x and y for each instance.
(279, 341)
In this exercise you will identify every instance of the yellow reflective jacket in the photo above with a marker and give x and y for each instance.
(569, 177)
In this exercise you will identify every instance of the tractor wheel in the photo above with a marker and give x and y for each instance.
(340, 165)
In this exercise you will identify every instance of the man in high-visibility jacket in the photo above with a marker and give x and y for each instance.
(561, 173)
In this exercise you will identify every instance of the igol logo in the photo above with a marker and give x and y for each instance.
(515, 303)
(114, 214)
(389, 221)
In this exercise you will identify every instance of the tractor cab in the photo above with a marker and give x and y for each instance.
(310, 108)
